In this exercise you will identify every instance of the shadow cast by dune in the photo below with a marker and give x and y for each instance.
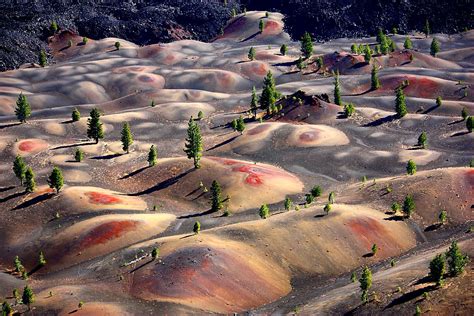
(163, 184)
(394, 218)
(9, 125)
(33, 201)
(382, 120)
(456, 122)
(368, 255)
(433, 227)
(12, 196)
(459, 134)
(107, 157)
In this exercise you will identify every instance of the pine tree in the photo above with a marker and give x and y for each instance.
(380, 35)
(337, 90)
(408, 44)
(464, 113)
(41, 259)
(400, 104)
(353, 277)
(365, 284)
(19, 168)
(354, 49)
(85, 40)
(197, 227)
(18, 266)
(288, 204)
(95, 129)
(42, 58)
(193, 145)
(393, 46)
(374, 79)
(327, 208)
(53, 27)
(7, 310)
(331, 197)
(56, 179)
(422, 140)
(411, 167)
(200, 115)
(427, 29)
(300, 64)
(470, 124)
(152, 156)
(283, 50)
(240, 125)
(261, 26)
(316, 191)
(435, 47)
(254, 102)
(30, 183)
(155, 253)
(367, 54)
(28, 296)
(127, 138)
(374, 249)
(233, 124)
(306, 45)
(457, 261)
(408, 206)
(23, 109)
(78, 155)
(443, 217)
(269, 93)
(438, 269)
(76, 115)
(216, 199)
(117, 45)
(319, 62)
(251, 54)
(264, 211)
(385, 45)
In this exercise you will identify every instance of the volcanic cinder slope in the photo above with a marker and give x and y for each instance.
(98, 232)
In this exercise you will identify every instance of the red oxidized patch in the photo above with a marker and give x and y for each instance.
(28, 145)
(106, 232)
(101, 198)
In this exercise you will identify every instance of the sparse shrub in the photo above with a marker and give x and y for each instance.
(435, 47)
(41, 259)
(261, 26)
(56, 179)
(438, 269)
(464, 113)
(331, 197)
(85, 40)
(53, 27)
(443, 217)
(75, 115)
(254, 102)
(78, 155)
(152, 103)
(316, 191)
(300, 64)
(152, 156)
(283, 50)
(327, 208)
(264, 211)
(28, 296)
(266, 15)
(80, 305)
(354, 49)
(200, 115)
(69, 43)
(288, 204)
(251, 54)
(417, 310)
(392, 263)
(117, 45)
(422, 140)
(18, 266)
(439, 101)
(471, 163)
(457, 261)
(197, 227)
(395, 207)
(309, 199)
(427, 29)
(7, 310)
(349, 110)
(353, 277)
(365, 284)
(240, 125)
(408, 206)
(319, 62)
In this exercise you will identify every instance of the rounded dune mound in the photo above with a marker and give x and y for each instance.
(216, 276)
(458, 55)
(450, 189)
(254, 70)
(427, 61)
(30, 146)
(119, 85)
(103, 234)
(316, 135)
(208, 79)
(162, 54)
(178, 111)
(96, 199)
(346, 63)
(247, 184)
(421, 157)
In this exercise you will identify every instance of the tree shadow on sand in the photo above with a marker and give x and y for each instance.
(134, 173)
(163, 184)
(394, 218)
(73, 145)
(35, 200)
(107, 157)
(141, 266)
(410, 296)
(459, 134)
(9, 125)
(210, 211)
(250, 37)
(433, 227)
(382, 120)
(222, 143)
(4, 189)
(12, 196)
